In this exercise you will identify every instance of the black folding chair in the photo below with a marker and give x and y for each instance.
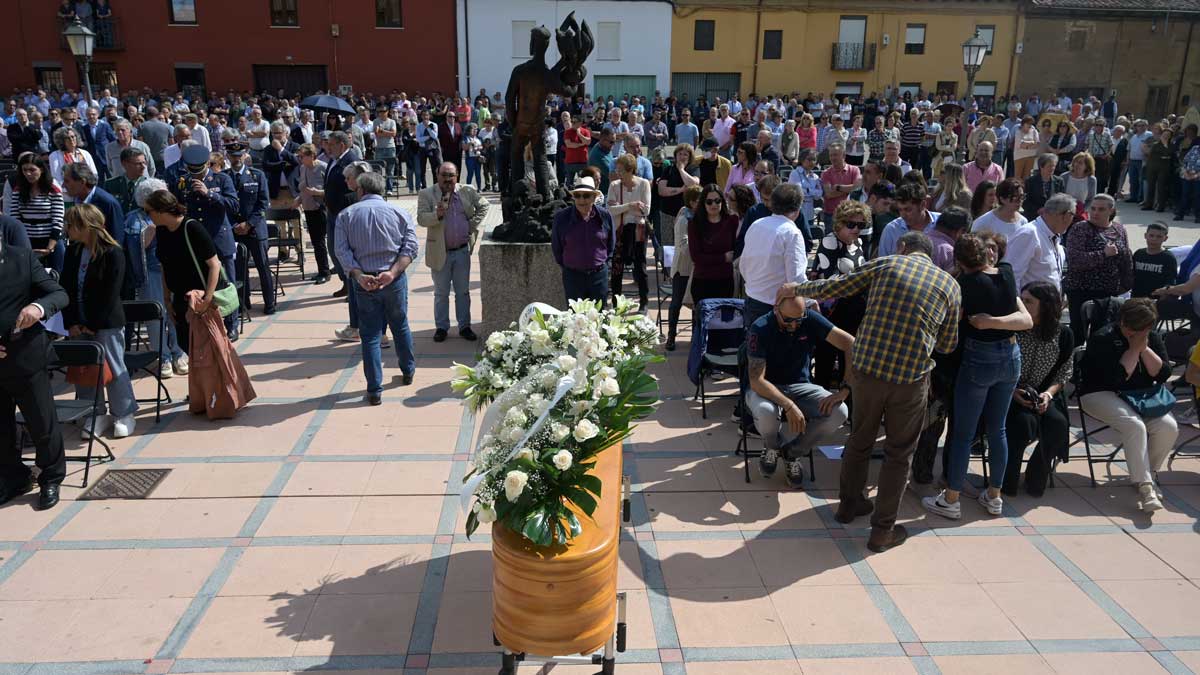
(720, 334)
(277, 219)
(241, 272)
(1077, 357)
(82, 353)
(137, 313)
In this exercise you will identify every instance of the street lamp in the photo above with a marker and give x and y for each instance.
(974, 52)
(81, 40)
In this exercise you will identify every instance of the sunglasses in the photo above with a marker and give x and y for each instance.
(788, 320)
(714, 201)
(855, 224)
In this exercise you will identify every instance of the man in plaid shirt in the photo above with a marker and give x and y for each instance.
(913, 309)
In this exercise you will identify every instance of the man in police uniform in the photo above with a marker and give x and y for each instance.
(212, 199)
(250, 226)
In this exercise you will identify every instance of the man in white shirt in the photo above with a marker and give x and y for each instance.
(1137, 153)
(774, 253)
(722, 131)
(1051, 229)
(258, 133)
(172, 153)
(199, 133)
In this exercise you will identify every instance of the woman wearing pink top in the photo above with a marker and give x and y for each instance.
(807, 132)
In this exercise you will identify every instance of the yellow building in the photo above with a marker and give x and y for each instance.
(719, 47)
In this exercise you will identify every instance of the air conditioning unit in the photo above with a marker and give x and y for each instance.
(1020, 47)
(887, 39)
(335, 30)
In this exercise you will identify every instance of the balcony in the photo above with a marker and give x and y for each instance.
(852, 56)
(108, 34)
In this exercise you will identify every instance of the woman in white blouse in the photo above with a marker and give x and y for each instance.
(629, 203)
(67, 141)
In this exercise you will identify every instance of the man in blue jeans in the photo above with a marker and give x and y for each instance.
(375, 244)
(779, 346)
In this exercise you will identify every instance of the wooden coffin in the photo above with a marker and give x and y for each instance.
(560, 600)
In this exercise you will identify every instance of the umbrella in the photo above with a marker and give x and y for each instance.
(327, 103)
(946, 109)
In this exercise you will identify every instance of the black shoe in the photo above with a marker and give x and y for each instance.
(48, 497)
(269, 310)
(232, 335)
(670, 346)
(374, 399)
(285, 256)
(881, 540)
(407, 378)
(795, 473)
(768, 461)
(320, 279)
(342, 292)
(439, 335)
(468, 334)
(847, 512)
(1177, 218)
(7, 496)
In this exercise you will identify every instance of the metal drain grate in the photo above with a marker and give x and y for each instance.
(126, 484)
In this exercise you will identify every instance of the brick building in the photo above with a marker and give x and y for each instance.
(297, 45)
(1148, 51)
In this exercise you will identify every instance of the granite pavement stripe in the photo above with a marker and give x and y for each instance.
(195, 611)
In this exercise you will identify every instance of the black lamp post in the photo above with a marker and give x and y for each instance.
(974, 52)
(82, 41)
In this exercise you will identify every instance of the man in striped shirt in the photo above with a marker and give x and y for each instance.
(375, 244)
(913, 309)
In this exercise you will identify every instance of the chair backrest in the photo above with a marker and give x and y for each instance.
(140, 311)
(77, 353)
(1099, 313)
(281, 214)
(241, 263)
(720, 329)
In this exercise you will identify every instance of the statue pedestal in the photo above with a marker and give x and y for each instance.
(512, 275)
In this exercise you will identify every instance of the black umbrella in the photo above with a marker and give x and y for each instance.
(948, 109)
(328, 104)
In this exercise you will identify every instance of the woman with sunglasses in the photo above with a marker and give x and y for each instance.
(711, 236)
(839, 254)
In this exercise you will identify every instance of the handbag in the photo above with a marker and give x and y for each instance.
(225, 299)
(85, 376)
(1150, 403)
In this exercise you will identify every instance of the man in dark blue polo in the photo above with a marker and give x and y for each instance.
(212, 199)
(250, 226)
(582, 241)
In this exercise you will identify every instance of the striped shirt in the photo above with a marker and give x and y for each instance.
(370, 235)
(911, 134)
(42, 215)
(913, 309)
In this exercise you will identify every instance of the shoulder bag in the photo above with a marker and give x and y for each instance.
(225, 299)
(1150, 403)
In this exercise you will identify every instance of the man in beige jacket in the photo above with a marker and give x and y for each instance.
(451, 215)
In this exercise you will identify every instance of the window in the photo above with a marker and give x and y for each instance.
(104, 76)
(181, 11)
(910, 88)
(387, 14)
(914, 38)
(848, 89)
(947, 87)
(706, 35)
(772, 45)
(1077, 40)
(608, 41)
(988, 33)
(284, 13)
(520, 38)
(49, 78)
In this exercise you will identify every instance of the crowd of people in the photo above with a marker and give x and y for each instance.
(898, 256)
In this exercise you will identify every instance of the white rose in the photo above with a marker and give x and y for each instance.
(562, 460)
(610, 387)
(514, 484)
(558, 432)
(514, 416)
(485, 514)
(566, 363)
(514, 434)
(495, 342)
(525, 453)
(550, 379)
(585, 430)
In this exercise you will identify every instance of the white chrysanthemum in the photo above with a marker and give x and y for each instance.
(585, 430)
(562, 460)
(580, 407)
(514, 484)
(558, 432)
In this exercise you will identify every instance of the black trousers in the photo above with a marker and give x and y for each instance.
(317, 231)
(1051, 431)
(266, 281)
(678, 289)
(33, 397)
(633, 253)
(183, 331)
(1075, 302)
(590, 285)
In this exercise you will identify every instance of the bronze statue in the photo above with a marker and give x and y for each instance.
(529, 85)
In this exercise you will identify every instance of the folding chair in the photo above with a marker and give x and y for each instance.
(241, 272)
(280, 221)
(715, 343)
(1076, 358)
(138, 312)
(68, 353)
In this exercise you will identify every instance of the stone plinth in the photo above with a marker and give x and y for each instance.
(512, 275)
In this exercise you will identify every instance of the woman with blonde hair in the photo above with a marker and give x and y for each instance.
(952, 188)
(807, 132)
(92, 277)
(66, 140)
(629, 203)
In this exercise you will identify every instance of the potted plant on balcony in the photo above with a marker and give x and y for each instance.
(562, 391)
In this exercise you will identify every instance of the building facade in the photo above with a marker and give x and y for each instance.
(719, 47)
(295, 45)
(632, 53)
(1147, 52)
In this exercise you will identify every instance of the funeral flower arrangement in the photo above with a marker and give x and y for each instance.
(558, 388)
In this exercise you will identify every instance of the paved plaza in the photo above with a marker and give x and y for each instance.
(314, 532)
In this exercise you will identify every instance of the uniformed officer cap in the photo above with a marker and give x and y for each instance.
(195, 158)
(236, 148)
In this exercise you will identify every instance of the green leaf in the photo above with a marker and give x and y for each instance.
(537, 528)
(576, 527)
(591, 484)
(582, 499)
(472, 523)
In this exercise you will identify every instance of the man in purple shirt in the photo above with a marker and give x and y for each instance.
(583, 243)
(945, 233)
(375, 244)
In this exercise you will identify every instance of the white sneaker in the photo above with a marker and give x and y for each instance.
(940, 506)
(347, 334)
(994, 505)
(124, 426)
(182, 365)
(103, 422)
(1148, 500)
(166, 372)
